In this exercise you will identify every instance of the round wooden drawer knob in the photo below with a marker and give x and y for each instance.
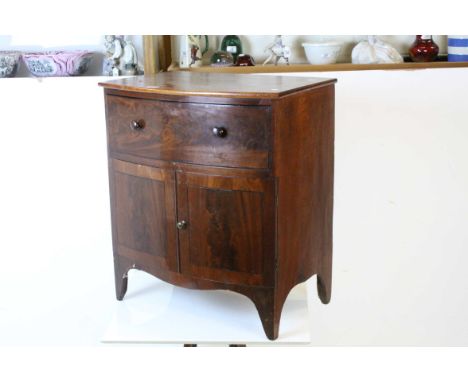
(220, 131)
(137, 125)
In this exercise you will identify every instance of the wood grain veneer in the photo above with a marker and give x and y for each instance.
(248, 208)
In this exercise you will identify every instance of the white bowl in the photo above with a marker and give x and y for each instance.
(322, 53)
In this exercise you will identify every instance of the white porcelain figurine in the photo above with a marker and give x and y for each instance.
(277, 51)
(114, 51)
(375, 51)
(129, 60)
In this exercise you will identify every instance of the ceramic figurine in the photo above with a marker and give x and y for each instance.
(114, 51)
(194, 57)
(190, 52)
(375, 51)
(9, 61)
(278, 50)
(108, 62)
(196, 53)
(129, 60)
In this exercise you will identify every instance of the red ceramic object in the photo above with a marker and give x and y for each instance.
(423, 49)
(245, 60)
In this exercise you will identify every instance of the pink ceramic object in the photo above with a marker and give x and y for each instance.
(57, 64)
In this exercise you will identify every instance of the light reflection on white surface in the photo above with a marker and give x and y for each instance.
(154, 311)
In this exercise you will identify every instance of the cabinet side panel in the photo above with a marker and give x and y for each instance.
(303, 165)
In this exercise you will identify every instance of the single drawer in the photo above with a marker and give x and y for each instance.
(208, 134)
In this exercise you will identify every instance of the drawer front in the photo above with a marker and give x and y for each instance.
(219, 135)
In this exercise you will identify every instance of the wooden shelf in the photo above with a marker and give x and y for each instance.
(325, 68)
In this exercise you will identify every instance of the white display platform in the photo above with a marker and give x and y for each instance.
(154, 311)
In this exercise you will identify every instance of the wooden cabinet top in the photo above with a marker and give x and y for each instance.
(216, 84)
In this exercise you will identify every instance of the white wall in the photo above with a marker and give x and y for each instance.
(401, 212)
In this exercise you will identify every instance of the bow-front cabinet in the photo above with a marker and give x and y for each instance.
(223, 181)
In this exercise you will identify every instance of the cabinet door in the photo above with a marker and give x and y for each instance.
(226, 228)
(143, 214)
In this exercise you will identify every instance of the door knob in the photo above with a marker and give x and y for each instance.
(182, 224)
